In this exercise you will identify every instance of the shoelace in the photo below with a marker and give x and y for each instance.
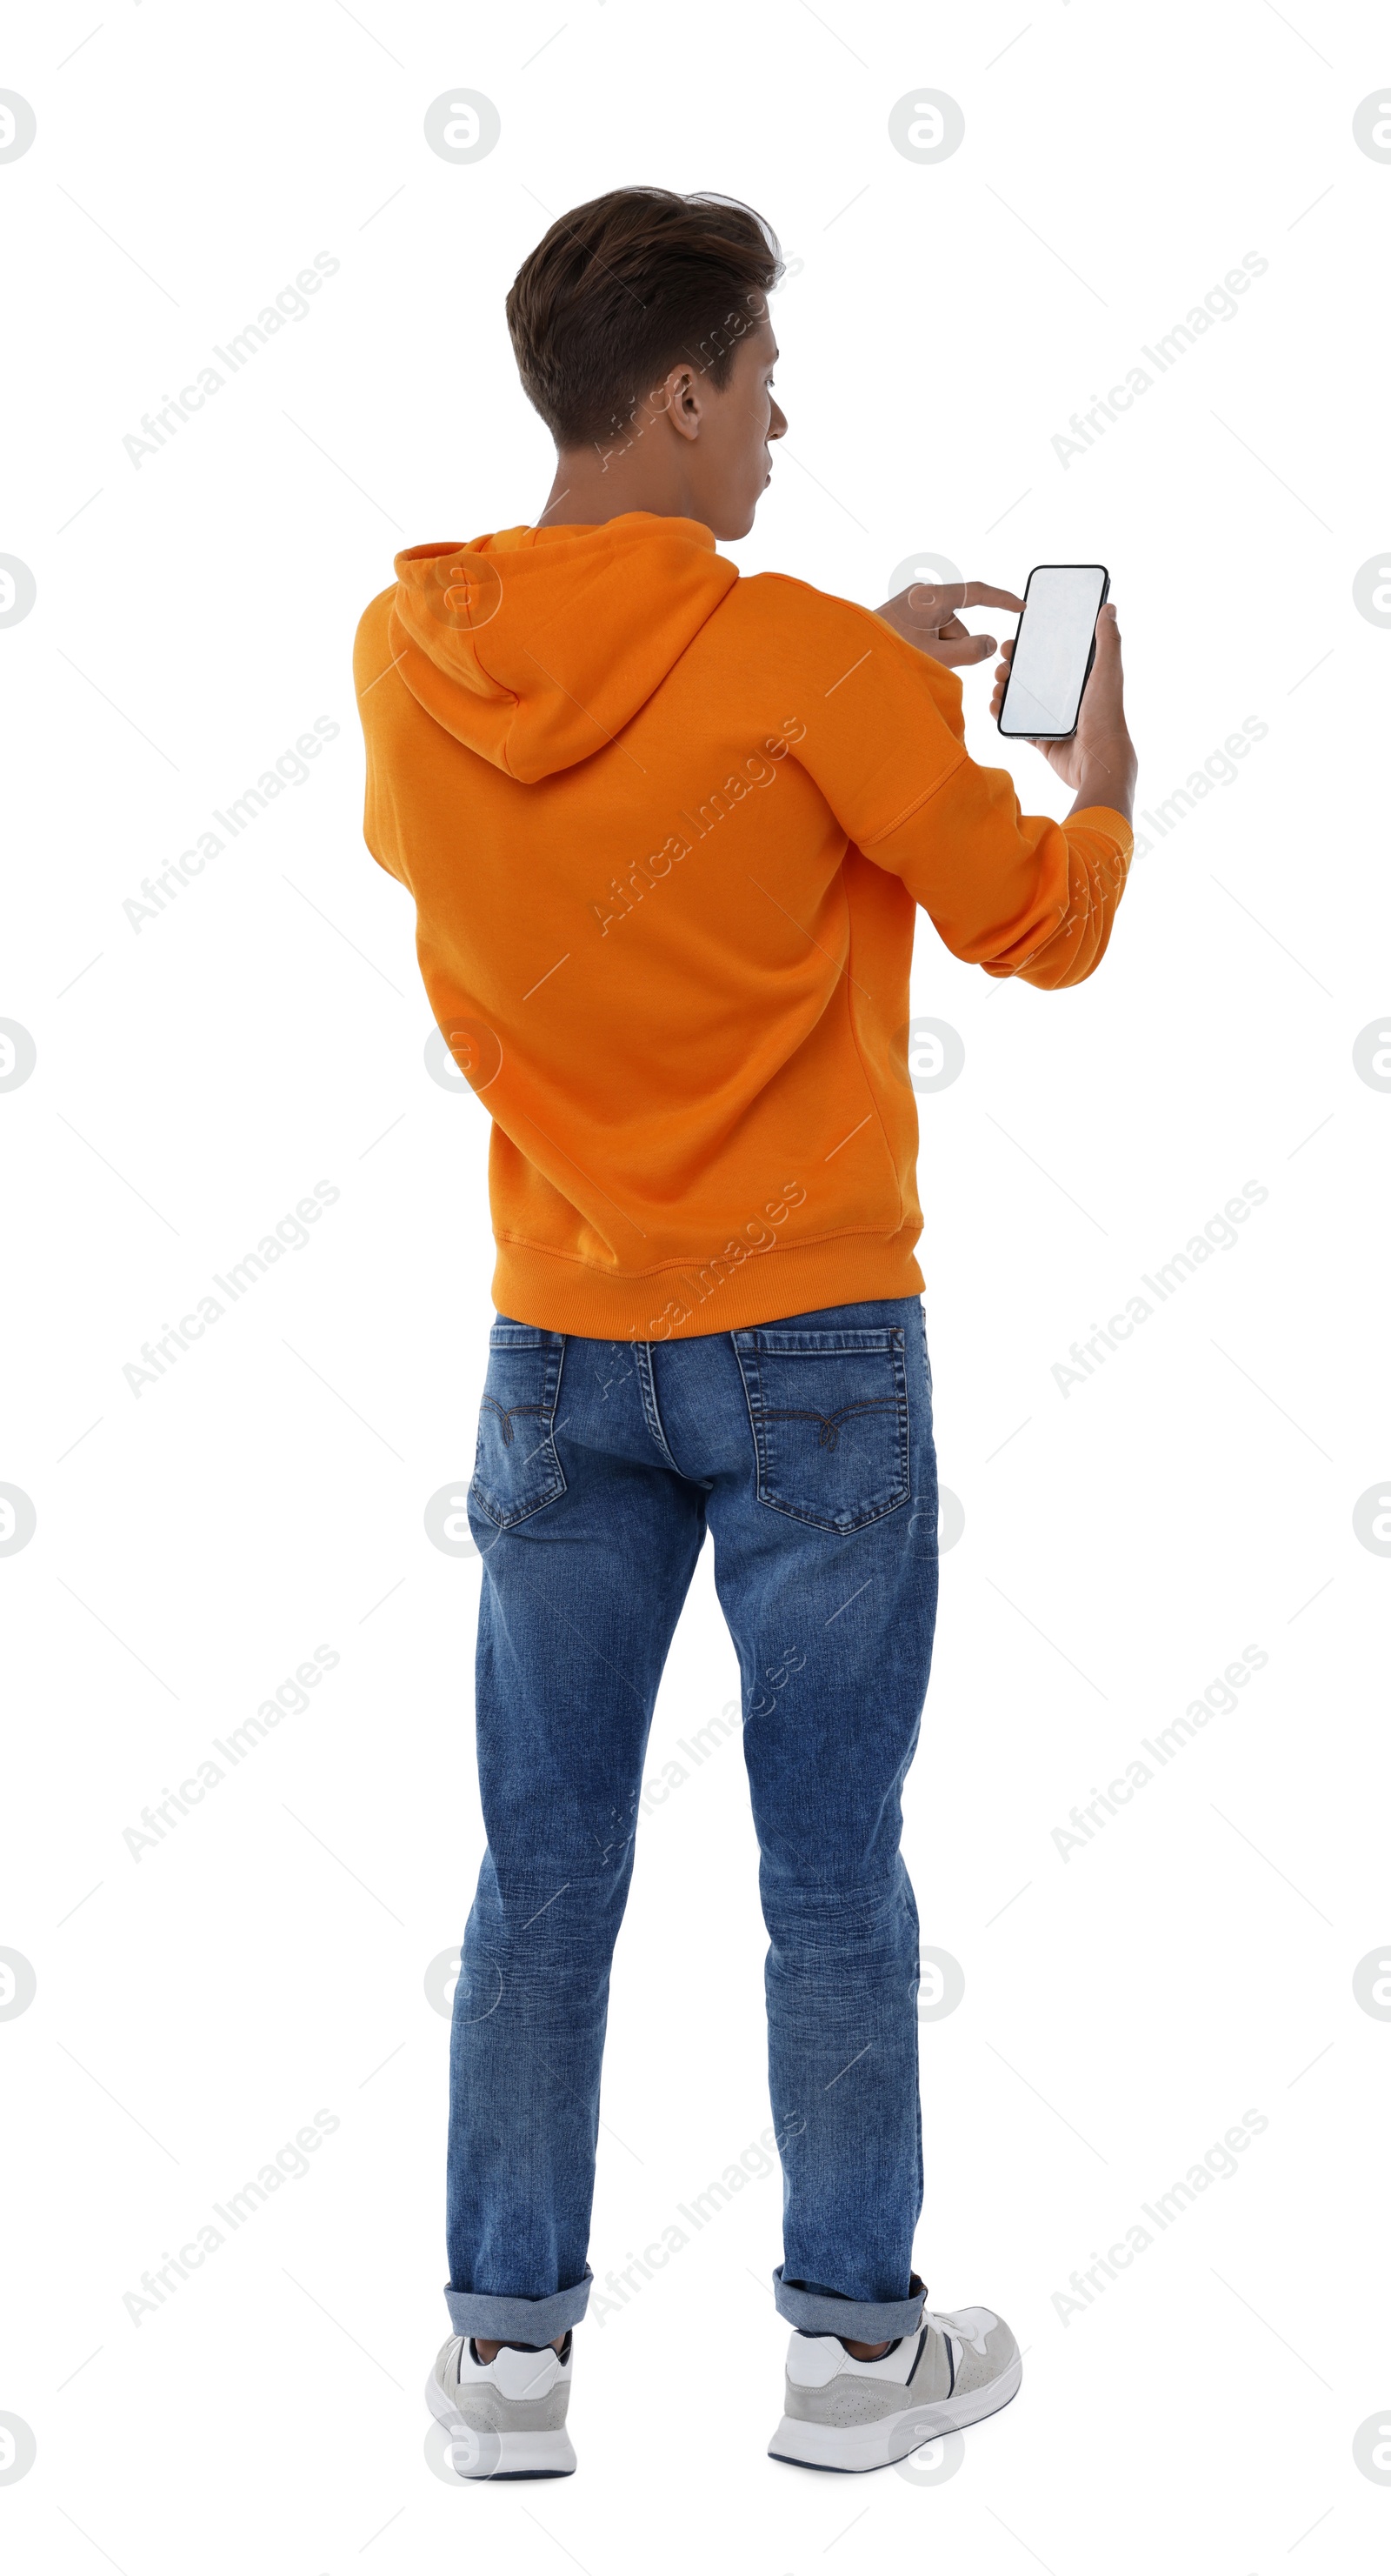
(946, 2326)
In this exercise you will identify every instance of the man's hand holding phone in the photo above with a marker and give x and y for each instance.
(1098, 760)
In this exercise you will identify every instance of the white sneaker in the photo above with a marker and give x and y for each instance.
(505, 2417)
(848, 2414)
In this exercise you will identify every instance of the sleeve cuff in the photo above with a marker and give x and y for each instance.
(1104, 818)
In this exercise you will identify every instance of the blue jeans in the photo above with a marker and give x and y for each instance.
(806, 1446)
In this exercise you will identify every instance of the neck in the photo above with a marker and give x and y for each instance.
(593, 485)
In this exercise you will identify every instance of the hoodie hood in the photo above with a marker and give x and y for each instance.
(536, 646)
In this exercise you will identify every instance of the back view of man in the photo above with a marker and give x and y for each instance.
(666, 829)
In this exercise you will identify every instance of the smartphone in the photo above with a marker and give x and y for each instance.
(1054, 648)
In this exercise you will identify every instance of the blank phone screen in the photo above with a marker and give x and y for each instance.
(1051, 649)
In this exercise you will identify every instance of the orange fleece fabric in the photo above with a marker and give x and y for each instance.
(666, 828)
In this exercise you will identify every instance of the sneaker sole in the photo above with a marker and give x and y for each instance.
(519, 2455)
(853, 2448)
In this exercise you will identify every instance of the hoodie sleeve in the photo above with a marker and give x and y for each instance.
(1009, 891)
(372, 662)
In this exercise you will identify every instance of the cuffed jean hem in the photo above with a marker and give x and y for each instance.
(820, 2312)
(538, 2321)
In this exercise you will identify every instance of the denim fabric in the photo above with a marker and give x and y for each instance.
(806, 1448)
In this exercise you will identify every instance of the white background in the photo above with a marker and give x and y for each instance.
(1122, 1543)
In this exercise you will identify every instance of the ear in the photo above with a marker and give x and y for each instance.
(678, 401)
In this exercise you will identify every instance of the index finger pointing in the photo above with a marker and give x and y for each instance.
(980, 594)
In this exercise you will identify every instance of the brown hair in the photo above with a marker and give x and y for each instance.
(626, 287)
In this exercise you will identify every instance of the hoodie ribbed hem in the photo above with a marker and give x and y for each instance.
(668, 1305)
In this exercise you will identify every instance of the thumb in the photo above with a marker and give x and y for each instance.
(1108, 672)
(972, 648)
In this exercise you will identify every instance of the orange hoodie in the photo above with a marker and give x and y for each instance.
(665, 829)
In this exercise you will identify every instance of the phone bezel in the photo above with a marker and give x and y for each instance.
(1030, 735)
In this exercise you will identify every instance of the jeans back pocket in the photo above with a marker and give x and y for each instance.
(830, 1421)
(516, 1469)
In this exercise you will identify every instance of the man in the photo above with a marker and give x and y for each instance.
(665, 830)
